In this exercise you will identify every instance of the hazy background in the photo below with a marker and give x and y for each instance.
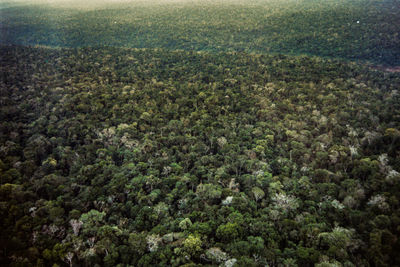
(94, 4)
(366, 30)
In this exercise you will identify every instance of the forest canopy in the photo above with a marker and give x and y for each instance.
(365, 30)
(200, 133)
(151, 157)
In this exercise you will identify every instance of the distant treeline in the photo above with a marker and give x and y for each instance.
(354, 30)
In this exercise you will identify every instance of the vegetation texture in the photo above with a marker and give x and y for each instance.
(204, 133)
(156, 158)
(357, 30)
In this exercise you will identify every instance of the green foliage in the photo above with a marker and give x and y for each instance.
(152, 157)
(366, 30)
(185, 224)
(258, 193)
(192, 245)
(228, 232)
(92, 217)
(208, 192)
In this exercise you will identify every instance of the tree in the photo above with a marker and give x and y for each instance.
(258, 193)
(228, 232)
(192, 245)
(208, 192)
(185, 224)
(338, 241)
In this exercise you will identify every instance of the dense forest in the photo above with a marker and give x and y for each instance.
(146, 157)
(365, 30)
(189, 144)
